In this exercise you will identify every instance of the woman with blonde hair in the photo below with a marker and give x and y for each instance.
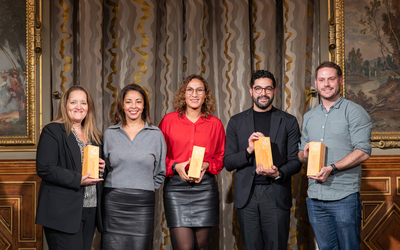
(68, 203)
(192, 205)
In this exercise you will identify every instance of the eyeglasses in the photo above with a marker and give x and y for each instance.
(267, 90)
(199, 91)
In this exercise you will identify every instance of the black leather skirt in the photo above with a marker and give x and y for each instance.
(191, 204)
(128, 216)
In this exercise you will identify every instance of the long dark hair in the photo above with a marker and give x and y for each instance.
(119, 115)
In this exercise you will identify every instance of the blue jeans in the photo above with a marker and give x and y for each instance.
(336, 224)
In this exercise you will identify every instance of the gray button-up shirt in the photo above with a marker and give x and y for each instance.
(345, 128)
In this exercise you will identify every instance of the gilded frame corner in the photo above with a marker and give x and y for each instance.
(29, 141)
(378, 139)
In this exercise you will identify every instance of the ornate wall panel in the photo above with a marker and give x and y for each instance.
(19, 186)
(380, 194)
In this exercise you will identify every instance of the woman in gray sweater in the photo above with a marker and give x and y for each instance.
(135, 152)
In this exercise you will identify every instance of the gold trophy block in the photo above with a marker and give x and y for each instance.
(262, 148)
(316, 158)
(196, 162)
(90, 162)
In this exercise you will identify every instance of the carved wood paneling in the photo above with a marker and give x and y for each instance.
(19, 188)
(380, 194)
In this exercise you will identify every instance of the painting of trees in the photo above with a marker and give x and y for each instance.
(389, 30)
(12, 32)
(372, 60)
(354, 60)
(366, 67)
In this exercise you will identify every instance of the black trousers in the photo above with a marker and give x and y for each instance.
(81, 240)
(262, 222)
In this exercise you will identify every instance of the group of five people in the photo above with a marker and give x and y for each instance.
(136, 156)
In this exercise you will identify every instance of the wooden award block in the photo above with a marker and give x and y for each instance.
(90, 162)
(316, 158)
(196, 162)
(262, 148)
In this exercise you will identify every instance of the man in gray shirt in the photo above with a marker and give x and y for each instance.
(333, 203)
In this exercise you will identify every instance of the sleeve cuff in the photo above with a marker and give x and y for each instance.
(248, 155)
(367, 149)
(280, 176)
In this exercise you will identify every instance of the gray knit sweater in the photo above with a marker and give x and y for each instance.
(137, 164)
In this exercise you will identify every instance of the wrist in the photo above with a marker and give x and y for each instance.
(305, 158)
(279, 175)
(334, 169)
(205, 166)
(173, 167)
(249, 150)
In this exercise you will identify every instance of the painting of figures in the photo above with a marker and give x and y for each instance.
(372, 59)
(13, 69)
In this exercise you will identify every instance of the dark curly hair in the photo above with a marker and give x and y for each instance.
(262, 74)
(329, 65)
(119, 115)
(179, 102)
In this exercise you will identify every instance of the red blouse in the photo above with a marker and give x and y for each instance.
(181, 135)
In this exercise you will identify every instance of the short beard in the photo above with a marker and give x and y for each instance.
(334, 96)
(261, 106)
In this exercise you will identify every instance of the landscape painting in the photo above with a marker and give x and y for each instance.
(13, 68)
(372, 61)
(17, 73)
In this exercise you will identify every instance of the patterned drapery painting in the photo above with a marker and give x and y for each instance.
(106, 44)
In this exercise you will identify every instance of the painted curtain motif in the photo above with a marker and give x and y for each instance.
(372, 59)
(13, 83)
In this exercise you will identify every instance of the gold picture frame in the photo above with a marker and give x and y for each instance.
(21, 82)
(337, 48)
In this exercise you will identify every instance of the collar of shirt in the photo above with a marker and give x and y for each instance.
(197, 122)
(336, 105)
(119, 126)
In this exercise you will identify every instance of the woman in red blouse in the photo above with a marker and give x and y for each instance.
(192, 206)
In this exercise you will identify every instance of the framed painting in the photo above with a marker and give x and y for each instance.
(19, 117)
(367, 47)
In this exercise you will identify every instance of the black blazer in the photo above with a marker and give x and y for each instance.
(58, 163)
(285, 136)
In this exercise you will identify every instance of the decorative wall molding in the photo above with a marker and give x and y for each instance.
(19, 188)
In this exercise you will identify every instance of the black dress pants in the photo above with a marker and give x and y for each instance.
(81, 240)
(262, 222)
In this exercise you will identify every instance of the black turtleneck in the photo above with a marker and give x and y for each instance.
(262, 123)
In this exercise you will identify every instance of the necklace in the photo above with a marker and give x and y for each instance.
(73, 128)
